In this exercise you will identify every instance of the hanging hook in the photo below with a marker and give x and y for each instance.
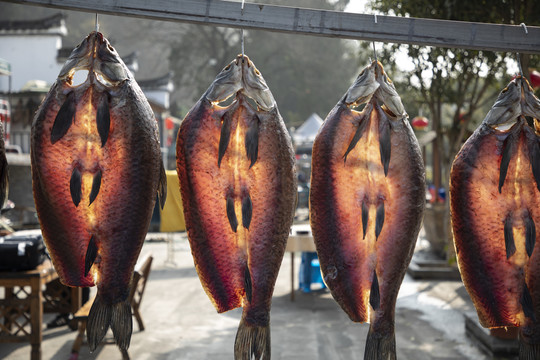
(374, 52)
(242, 32)
(97, 23)
(517, 54)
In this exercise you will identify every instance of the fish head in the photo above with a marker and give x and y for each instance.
(373, 82)
(227, 83)
(96, 55)
(507, 108)
(79, 59)
(254, 85)
(363, 87)
(241, 75)
(530, 103)
(387, 92)
(108, 63)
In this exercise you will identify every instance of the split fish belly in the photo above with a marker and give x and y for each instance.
(66, 226)
(238, 242)
(491, 230)
(364, 272)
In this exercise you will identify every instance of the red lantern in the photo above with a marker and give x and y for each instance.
(169, 123)
(535, 79)
(419, 123)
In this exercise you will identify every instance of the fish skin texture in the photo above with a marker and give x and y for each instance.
(499, 281)
(221, 254)
(340, 189)
(238, 207)
(129, 162)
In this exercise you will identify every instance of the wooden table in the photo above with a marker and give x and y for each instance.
(300, 240)
(26, 295)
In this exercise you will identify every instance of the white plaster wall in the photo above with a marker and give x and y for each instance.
(31, 58)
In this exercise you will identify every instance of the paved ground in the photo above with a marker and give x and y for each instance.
(181, 323)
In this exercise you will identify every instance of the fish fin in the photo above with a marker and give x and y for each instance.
(374, 294)
(122, 324)
(247, 211)
(252, 342)
(380, 346)
(103, 119)
(379, 219)
(365, 214)
(385, 145)
(75, 184)
(99, 320)
(116, 316)
(96, 185)
(534, 157)
(252, 140)
(530, 235)
(527, 303)
(224, 137)
(362, 125)
(247, 283)
(162, 186)
(231, 213)
(64, 118)
(91, 253)
(505, 160)
(509, 238)
(528, 350)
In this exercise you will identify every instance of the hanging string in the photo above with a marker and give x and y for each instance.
(242, 32)
(517, 54)
(373, 42)
(97, 23)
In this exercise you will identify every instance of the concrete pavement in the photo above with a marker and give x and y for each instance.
(181, 323)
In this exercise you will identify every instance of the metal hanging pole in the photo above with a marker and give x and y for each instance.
(97, 23)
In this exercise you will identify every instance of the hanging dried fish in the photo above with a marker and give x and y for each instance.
(96, 169)
(495, 205)
(236, 168)
(367, 200)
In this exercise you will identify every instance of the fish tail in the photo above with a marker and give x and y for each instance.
(528, 350)
(252, 342)
(116, 316)
(380, 346)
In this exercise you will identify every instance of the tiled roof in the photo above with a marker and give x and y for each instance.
(51, 24)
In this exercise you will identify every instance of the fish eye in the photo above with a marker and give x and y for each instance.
(79, 77)
(103, 80)
(257, 72)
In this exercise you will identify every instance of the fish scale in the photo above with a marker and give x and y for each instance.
(495, 208)
(366, 203)
(96, 168)
(237, 177)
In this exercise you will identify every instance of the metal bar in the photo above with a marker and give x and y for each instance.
(393, 29)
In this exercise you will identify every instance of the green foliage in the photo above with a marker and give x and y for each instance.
(464, 80)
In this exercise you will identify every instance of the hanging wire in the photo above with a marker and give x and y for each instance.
(97, 23)
(373, 42)
(242, 32)
(517, 54)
